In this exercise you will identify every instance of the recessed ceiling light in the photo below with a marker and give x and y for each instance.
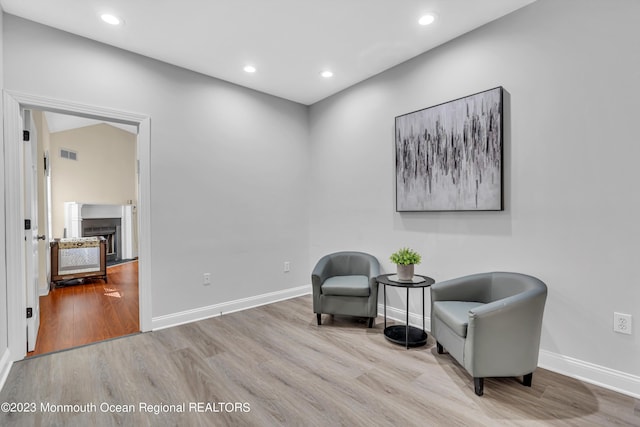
(327, 74)
(250, 69)
(426, 19)
(111, 19)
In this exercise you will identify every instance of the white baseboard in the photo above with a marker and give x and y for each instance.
(188, 316)
(43, 291)
(401, 316)
(611, 379)
(5, 367)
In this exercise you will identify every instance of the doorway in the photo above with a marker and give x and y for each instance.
(91, 162)
(14, 104)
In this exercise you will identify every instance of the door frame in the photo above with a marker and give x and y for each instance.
(14, 214)
(32, 242)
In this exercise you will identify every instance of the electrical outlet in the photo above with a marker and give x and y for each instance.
(287, 266)
(206, 279)
(622, 323)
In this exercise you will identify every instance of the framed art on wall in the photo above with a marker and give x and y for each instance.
(449, 156)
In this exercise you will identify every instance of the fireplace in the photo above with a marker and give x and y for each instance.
(109, 228)
(116, 223)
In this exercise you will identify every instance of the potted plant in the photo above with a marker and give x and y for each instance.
(405, 259)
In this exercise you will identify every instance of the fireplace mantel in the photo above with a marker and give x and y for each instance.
(75, 213)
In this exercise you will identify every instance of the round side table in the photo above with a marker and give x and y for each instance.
(407, 335)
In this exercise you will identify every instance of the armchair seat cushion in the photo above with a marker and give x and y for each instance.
(455, 314)
(352, 286)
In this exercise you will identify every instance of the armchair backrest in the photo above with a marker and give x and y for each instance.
(504, 285)
(351, 263)
(489, 287)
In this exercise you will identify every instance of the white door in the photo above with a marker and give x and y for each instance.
(31, 229)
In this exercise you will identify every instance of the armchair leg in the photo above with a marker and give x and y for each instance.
(439, 348)
(370, 322)
(318, 317)
(526, 380)
(478, 385)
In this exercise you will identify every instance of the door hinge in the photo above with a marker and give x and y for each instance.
(25, 135)
(27, 224)
(29, 312)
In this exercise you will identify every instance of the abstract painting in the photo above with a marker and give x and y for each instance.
(449, 156)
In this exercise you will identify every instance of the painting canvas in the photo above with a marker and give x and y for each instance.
(449, 157)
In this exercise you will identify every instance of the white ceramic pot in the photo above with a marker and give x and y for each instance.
(405, 272)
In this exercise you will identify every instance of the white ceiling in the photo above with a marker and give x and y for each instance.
(57, 122)
(289, 41)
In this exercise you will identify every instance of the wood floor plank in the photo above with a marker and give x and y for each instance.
(76, 315)
(284, 370)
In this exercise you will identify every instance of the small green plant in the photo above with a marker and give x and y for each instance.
(405, 256)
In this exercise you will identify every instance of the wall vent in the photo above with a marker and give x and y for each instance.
(68, 154)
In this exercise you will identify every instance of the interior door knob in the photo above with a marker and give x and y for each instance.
(42, 237)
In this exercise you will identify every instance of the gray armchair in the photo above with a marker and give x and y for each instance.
(345, 283)
(490, 323)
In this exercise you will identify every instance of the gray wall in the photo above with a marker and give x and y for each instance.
(570, 71)
(228, 164)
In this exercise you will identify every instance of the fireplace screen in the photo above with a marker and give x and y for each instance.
(109, 228)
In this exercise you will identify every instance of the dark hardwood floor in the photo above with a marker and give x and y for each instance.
(76, 315)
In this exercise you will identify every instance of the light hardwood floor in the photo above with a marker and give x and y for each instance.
(283, 370)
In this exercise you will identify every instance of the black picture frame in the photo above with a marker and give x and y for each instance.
(449, 157)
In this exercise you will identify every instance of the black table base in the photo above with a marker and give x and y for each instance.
(398, 334)
(406, 335)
